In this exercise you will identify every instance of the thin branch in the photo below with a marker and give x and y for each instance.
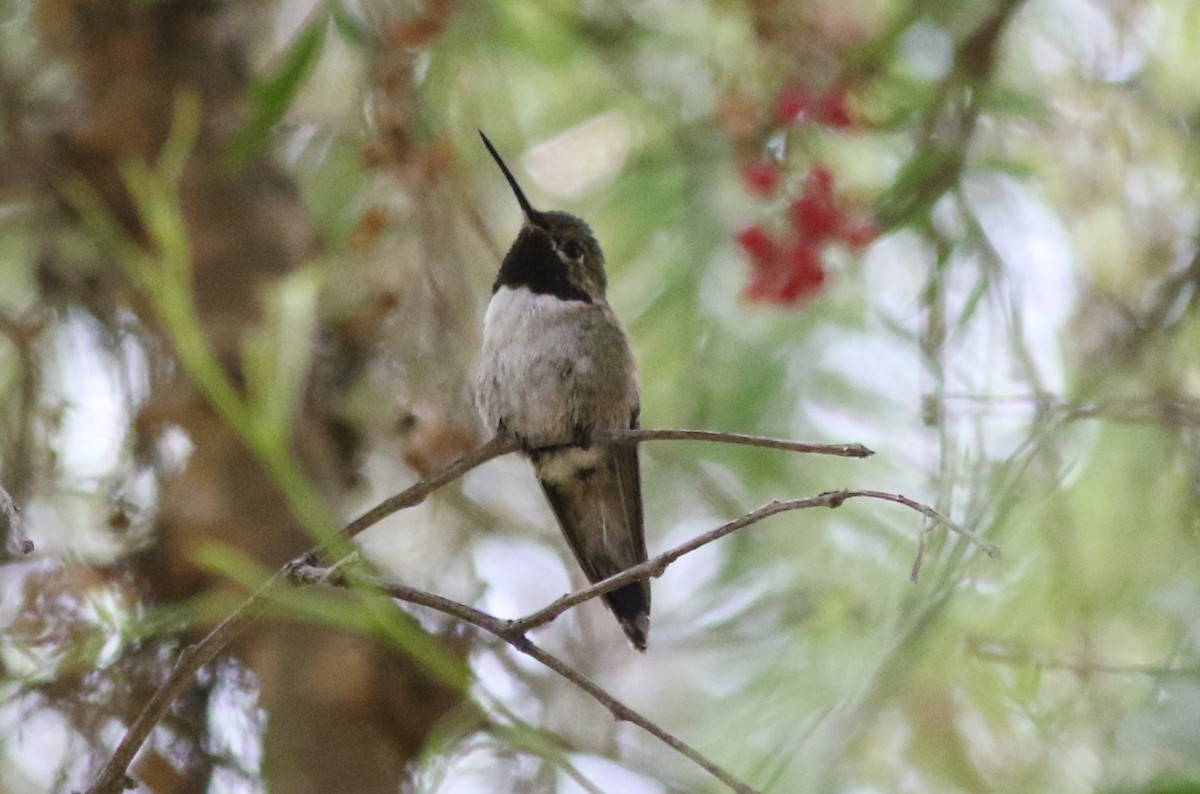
(622, 712)
(638, 436)
(919, 560)
(113, 779)
(655, 566)
(503, 629)
(414, 495)
(500, 445)
(989, 548)
(514, 632)
(313, 574)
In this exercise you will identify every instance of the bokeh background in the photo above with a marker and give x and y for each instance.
(245, 248)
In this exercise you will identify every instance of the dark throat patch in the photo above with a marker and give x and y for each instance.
(532, 263)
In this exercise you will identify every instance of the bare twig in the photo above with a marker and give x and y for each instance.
(622, 712)
(989, 548)
(638, 436)
(502, 446)
(919, 559)
(655, 566)
(514, 632)
(504, 630)
(112, 778)
(414, 495)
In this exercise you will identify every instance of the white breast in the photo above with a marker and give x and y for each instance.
(512, 310)
(525, 337)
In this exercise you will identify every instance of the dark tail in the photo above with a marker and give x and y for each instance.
(631, 605)
(599, 507)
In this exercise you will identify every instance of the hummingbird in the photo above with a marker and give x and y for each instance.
(554, 369)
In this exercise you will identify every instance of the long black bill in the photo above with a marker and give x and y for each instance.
(530, 213)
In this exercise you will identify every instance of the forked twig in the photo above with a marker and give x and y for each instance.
(514, 632)
(503, 630)
(113, 778)
(501, 445)
(655, 566)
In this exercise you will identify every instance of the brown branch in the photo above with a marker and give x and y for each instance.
(623, 713)
(414, 495)
(989, 548)
(655, 566)
(313, 574)
(919, 559)
(514, 632)
(113, 779)
(504, 630)
(502, 446)
(638, 436)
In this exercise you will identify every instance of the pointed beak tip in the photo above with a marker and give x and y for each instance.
(530, 213)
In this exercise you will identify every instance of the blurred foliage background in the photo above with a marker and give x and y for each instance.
(961, 233)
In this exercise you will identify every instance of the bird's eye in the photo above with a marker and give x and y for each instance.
(573, 250)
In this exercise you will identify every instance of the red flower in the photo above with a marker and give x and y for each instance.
(787, 277)
(806, 274)
(795, 105)
(785, 272)
(832, 109)
(761, 176)
(820, 180)
(758, 245)
(765, 285)
(792, 105)
(761, 289)
(815, 218)
(858, 233)
(814, 213)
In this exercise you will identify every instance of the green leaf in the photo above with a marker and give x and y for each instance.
(350, 28)
(1001, 165)
(1011, 102)
(273, 97)
(277, 355)
(921, 182)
